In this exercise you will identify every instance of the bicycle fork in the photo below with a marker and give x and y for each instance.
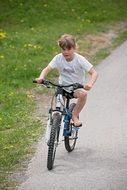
(60, 129)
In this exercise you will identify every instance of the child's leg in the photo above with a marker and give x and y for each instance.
(81, 95)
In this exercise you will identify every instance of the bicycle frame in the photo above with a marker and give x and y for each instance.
(62, 108)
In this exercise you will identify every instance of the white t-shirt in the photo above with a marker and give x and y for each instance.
(73, 71)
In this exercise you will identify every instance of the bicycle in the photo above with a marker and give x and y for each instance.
(59, 123)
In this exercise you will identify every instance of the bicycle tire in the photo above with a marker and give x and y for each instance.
(53, 141)
(70, 141)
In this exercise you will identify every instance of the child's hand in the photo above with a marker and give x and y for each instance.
(88, 86)
(39, 80)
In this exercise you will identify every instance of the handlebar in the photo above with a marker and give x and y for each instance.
(47, 83)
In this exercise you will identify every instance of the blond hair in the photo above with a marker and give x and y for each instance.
(67, 41)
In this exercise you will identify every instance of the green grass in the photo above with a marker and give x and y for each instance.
(28, 34)
(122, 37)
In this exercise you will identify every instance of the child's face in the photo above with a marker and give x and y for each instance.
(68, 53)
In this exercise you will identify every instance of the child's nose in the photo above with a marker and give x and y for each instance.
(66, 51)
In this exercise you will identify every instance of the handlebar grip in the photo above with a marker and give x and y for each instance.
(80, 86)
(77, 85)
(34, 81)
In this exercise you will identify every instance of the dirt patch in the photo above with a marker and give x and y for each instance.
(90, 44)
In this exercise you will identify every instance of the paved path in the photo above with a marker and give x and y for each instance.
(99, 161)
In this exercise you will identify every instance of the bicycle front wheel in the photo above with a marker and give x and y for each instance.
(53, 141)
(70, 141)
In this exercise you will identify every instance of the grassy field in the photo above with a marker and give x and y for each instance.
(28, 34)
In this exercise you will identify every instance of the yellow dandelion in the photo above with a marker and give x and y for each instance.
(11, 94)
(30, 45)
(2, 56)
(29, 95)
(45, 5)
(34, 46)
(3, 35)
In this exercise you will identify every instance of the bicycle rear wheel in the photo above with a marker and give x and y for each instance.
(70, 141)
(53, 141)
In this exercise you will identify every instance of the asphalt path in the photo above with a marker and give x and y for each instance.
(99, 161)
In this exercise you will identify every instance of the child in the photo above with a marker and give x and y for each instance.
(72, 67)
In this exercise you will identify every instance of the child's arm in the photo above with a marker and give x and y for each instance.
(93, 77)
(43, 74)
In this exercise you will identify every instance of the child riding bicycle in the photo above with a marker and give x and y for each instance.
(72, 68)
